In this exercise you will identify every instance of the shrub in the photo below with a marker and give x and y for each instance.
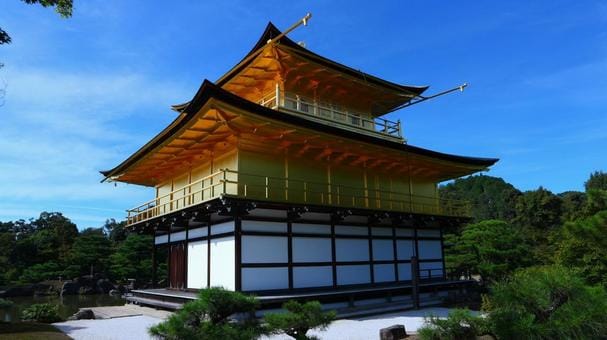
(547, 303)
(43, 312)
(299, 319)
(459, 325)
(208, 317)
(5, 303)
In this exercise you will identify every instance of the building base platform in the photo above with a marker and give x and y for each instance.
(348, 302)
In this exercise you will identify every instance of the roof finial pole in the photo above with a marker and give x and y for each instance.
(302, 21)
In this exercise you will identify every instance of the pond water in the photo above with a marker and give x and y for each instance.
(68, 305)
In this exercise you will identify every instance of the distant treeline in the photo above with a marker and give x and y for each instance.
(513, 229)
(51, 247)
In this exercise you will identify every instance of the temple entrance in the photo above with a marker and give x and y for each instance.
(177, 266)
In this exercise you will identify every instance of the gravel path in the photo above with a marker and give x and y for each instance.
(127, 328)
(135, 327)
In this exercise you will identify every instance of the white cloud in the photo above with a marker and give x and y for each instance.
(58, 130)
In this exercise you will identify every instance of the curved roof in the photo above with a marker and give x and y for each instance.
(209, 90)
(409, 92)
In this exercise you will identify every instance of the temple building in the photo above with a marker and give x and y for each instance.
(284, 178)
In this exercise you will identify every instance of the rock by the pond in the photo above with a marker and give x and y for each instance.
(18, 291)
(395, 332)
(104, 286)
(87, 290)
(70, 288)
(83, 314)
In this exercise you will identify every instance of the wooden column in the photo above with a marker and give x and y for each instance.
(415, 282)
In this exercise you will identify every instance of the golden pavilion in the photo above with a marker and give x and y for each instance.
(284, 178)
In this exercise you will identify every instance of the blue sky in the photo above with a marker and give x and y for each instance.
(82, 94)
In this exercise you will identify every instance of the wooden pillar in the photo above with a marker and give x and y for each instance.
(154, 260)
(415, 282)
(238, 251)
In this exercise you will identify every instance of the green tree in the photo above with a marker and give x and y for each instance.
(132, 259)
(490, 197)
(116, 231)
(573, 205)
(597, 180)
(538, 215)
(209, 317)
(60, 227)
(583, 246)
(42, 271)
(547, 303)
(492, 249)
(539, 210)
(63, 7)
(91, 251)
(299, 319)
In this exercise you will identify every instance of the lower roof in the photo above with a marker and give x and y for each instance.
(211, 92)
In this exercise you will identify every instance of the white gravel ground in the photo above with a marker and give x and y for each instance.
(127, 328)
(135, 327)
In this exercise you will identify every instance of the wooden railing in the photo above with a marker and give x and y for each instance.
(279, 189)
(331, 112)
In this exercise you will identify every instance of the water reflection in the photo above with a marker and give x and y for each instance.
(68, 305)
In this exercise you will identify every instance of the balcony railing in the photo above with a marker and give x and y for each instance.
(276, 189)
(331, 113)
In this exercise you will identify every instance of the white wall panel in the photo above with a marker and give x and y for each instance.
(404, 232)
(222, 262)
(351, 250)
(309, 249)
(405, 249)
(404, 271)
(264, 249)
(428, 233)
(197, 264)
(306, 228)
(221, 228)
(265, 278)
(383, 250)
(161, 239)
(304, 277)
(278, 227)
(384, 273)
(348, 275)
(198, 232)
(429, 249)
(350, 230)
(377, 231)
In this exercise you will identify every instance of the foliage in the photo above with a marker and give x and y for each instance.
(547, 303)
(63, 7)
(459, 325)
(299, 319)
(91, 251)
(597, 201)
(490, 197)
(132, 259)
(583, 246)
(5, 303)
(597, 181)
(573, 205)
(116, 231)
(538, 215)
(491, 249)
(538, 210)
(42, 312)
(42, 271)
(208, 317)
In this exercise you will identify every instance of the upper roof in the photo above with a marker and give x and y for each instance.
(397, 94)
(212, 93)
